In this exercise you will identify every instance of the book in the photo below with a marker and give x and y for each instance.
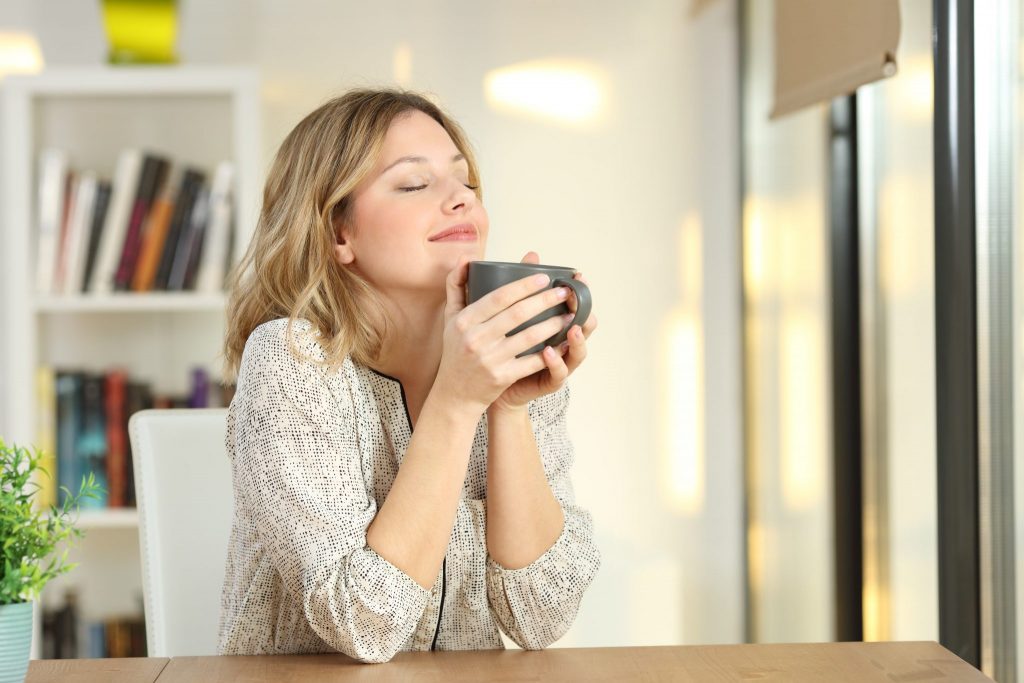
(190, 241)
(115, 223)
(190, 184)
(117, 438)
(76, 241)
(199, 392)
(138, 396)
(68, 210)
(95, 640)
(60, 629)
(91, 447)
(46, 435)
(53, 165)
(157, 227)
(154, 171)
(99, 214)
(69, 401)
(213, 264)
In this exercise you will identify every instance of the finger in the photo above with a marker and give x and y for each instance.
(589, 326)
(531, 257)
(505, 296)
(533, 335)
(557, 367)
(577, 348)
(528, 308)
(455, 285)
(528, 365)
(579, 276)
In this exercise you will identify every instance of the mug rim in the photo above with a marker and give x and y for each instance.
(536, 266)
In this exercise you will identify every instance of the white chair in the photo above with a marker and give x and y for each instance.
(184, 496)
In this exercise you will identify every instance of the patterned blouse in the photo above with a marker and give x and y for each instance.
(313, 455)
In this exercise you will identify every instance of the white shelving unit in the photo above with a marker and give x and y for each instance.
(195, 115)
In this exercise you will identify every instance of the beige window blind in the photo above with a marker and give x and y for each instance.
(828, 48)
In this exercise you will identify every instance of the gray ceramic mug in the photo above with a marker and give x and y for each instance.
(486, 276)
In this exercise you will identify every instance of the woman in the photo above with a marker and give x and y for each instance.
(401, 479)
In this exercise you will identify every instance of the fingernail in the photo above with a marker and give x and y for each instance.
(566, 317)
(563, 346)
(562, 292)
(540, 279)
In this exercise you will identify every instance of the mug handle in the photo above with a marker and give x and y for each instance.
(583, 302)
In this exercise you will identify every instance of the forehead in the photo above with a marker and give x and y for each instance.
(416, 133)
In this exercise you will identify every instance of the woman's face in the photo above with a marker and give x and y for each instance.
(414, 215)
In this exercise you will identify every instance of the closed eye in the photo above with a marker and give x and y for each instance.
(412, 189)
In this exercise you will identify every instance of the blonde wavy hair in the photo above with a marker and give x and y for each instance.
(289, 269)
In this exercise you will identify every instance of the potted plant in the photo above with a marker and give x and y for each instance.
(29, 556)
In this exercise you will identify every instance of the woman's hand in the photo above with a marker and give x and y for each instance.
(478, 362)
(559, 363)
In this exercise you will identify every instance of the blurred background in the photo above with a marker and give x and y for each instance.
(756, 423)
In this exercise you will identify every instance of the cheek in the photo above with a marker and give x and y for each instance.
(483, 222)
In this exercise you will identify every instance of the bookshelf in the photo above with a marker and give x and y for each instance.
(192, 115)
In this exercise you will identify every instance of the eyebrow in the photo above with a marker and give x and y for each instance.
(418, 160)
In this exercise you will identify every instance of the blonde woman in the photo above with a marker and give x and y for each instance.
(401, 478)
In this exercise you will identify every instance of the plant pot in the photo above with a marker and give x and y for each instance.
(15, 641)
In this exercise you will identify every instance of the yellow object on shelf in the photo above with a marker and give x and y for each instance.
(141, 31)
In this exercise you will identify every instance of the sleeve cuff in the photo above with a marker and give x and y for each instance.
(550, 587)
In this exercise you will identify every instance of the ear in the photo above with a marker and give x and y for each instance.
(343, 253)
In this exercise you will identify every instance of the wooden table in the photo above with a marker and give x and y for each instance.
(854, 662)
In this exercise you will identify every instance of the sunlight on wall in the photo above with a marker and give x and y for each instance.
(683, 404)
(876, 610)
(803, 418)
(755, 255)
(915, 95)
(564, 91)
(684, 415)
(19, 54)
(401, 64)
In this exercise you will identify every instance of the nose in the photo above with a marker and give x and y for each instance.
(460, 198)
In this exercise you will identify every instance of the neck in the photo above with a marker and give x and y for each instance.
(412, 347)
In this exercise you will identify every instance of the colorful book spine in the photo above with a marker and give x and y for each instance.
(99, 214)
(157, 226)
(117, 448)
(154, 171)
(115, 223)
(69, 401)
(190, 241)
(191, 181)
(46, 435)
(92, 439)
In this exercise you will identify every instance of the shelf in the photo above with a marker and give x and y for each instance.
(131, 303)
(109, 518)
(136, 81)
(112, 518)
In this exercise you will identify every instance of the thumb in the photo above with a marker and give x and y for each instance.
(455, 286)
(531, 257)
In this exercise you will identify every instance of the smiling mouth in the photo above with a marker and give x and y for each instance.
(456, 233)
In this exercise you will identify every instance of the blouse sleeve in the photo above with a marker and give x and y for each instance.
(536, 605)
(297, 466)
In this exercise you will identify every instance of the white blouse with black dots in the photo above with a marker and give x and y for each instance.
(313, 455)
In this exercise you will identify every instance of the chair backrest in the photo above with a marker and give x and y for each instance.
(184, 496)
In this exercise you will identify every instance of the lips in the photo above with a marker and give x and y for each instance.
(461, 233)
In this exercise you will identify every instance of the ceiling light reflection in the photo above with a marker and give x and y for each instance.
(19, 54)
(568, 92)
